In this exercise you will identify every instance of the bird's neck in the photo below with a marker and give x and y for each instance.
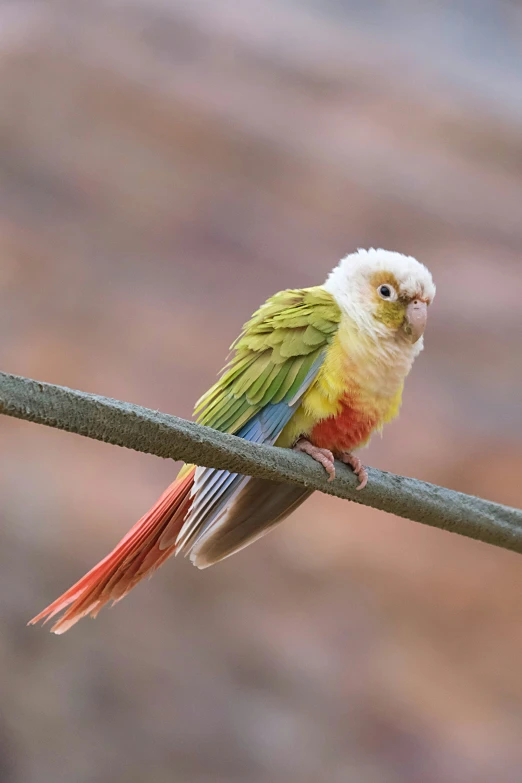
(376, 363)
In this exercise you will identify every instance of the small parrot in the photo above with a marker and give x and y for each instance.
(315, 369)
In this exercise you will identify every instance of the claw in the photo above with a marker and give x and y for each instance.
(323, 456)
(357, 467)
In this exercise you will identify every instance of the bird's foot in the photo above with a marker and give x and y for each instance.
(323, 456)
(357, 467)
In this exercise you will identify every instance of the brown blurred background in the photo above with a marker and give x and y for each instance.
(165, 165)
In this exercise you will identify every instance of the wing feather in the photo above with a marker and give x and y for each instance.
(275, 360)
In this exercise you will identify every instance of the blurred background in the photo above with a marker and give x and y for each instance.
(165, 165)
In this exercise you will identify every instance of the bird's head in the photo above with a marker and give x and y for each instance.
(387, 294)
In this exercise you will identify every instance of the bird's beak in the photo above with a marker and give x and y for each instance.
(415, 321)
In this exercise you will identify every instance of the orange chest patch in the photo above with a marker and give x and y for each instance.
(347, 430)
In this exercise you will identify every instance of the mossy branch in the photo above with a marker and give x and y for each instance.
(152, 432)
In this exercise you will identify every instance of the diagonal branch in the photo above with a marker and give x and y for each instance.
(152, 432)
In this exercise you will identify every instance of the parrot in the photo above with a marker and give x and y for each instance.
(315, 369)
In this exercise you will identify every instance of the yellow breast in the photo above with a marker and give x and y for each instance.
(353, 375)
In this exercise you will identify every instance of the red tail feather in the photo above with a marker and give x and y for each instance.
(137, 555)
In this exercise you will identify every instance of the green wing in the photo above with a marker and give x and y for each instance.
(273, 357)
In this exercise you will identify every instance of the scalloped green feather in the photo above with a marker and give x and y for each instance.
(324, 326)
(313, 336)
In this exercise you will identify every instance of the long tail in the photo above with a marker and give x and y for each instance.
(137, 555)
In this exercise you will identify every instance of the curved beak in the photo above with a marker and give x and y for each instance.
(415, 321)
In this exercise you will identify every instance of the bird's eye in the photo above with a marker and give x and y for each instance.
(387, 292)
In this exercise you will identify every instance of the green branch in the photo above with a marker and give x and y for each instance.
(152, 432)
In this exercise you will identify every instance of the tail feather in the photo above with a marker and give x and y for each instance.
(137, 555)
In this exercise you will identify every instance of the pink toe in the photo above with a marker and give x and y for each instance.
(364, 481)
